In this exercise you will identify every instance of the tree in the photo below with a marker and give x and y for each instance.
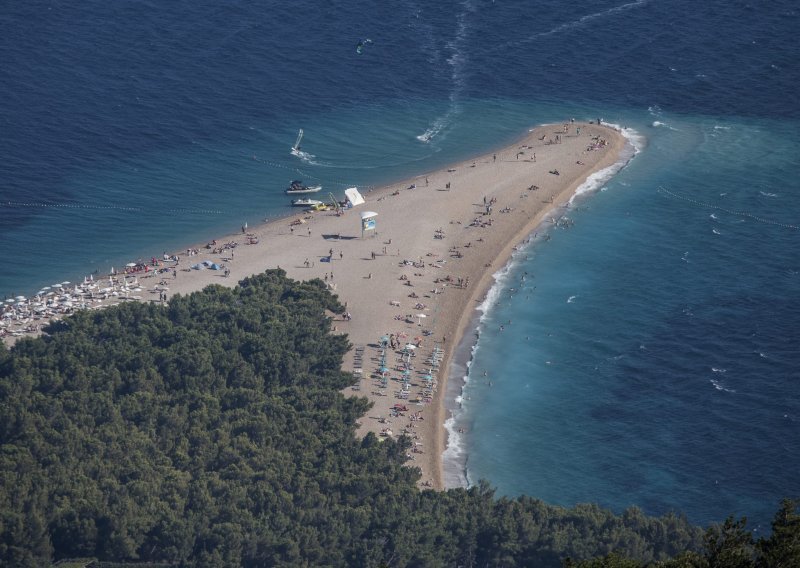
(782, 548)
(730, 545)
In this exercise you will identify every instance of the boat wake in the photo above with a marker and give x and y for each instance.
(438, 125)
(305, 156)
(573, 24)
(297, 152)
(457, 62)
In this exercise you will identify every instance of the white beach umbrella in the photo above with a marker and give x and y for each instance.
(66, 283)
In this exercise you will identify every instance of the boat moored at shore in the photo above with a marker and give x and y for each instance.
(306, 202)
(297, 187)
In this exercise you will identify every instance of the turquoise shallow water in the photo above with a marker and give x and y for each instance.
(648, 351)
(666, 312)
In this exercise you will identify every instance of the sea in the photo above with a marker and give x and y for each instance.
(641, 351)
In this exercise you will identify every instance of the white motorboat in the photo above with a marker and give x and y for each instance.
(297, 187)
(306, 202)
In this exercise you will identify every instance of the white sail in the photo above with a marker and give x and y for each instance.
(296, 147)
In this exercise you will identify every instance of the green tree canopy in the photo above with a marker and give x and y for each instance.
(213, 432)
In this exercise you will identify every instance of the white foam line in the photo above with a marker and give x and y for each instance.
(573, 24)
(596, 181)
(457, 62)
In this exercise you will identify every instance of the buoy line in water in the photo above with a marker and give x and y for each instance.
(19, 204)
(725, 210)
(305, 174)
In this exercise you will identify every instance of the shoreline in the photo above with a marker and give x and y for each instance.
(489, 280)
(440, 239)
(463, 356)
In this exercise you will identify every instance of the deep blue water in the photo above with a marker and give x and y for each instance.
(131, 128)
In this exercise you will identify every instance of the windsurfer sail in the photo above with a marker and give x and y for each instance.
(296, 148)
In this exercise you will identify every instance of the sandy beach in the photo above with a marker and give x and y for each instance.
(415, 279)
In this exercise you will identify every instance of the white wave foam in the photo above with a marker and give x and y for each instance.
(660, 124)
(571, 299)
(494, 292)
(767, 194)
(720, 387)
(716, 370)
(438, 125)
(454, 456)
(597, 180)
(636, 139)
(304, 156)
